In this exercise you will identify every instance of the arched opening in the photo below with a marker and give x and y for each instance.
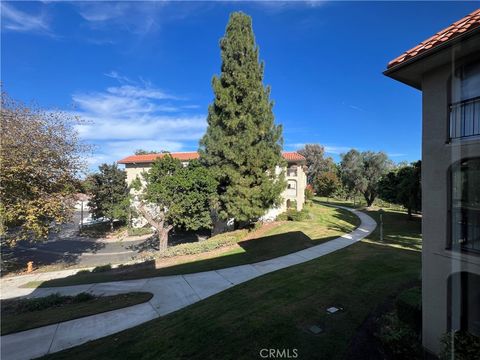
(292, 187)
(464, 206)
(289, 203)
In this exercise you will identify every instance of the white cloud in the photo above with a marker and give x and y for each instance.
(16, 20)
(136, 92)
(120, 78)
(115, 150)
(121, 119)
(102, 11)
(133, 16)
(358, 108)
(336, 150)
(329, 149)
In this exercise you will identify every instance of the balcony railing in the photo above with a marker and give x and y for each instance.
(292, 171)
(466, 229)
(465, 119)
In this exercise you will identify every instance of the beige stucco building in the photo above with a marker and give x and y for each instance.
(295, 176)
(446, 68)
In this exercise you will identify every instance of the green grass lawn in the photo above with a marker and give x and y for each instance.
(323, 224)
(276, 310)
(25, 314)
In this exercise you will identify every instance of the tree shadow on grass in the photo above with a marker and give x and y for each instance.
(399, 231)
(344, 216)
(175, 237)
(249, 251)
(346, 203)
(63, 252)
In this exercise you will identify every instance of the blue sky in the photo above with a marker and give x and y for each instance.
(140, 72)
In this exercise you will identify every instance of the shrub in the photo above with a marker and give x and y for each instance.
(139, 231)
(309, 194)
(460, 345)
(292, 204)
(409, 307)
(83, 296)
(102, 268)
(282, 217)
(293, 215)
(83, 272)
(43, 302)
(215, 242)
(399, 340)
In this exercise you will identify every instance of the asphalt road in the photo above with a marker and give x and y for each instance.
(69, 248)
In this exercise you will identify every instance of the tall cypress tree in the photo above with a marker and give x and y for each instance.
(242, 143)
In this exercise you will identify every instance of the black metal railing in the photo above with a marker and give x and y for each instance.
(465, 118)
(292, 171)
(466, 229)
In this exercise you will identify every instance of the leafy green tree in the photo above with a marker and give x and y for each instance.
(403, 186)
(110, 193)
(41, 157)
(351, 172)
(327, 183)
(146, 152)
(242, 144)
(316, 161)
(309, 193)
(174, 195)
(362, 172)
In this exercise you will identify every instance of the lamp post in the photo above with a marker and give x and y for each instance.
(381, 223)
(81, 216)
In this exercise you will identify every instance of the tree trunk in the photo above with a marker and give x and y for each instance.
(159, 225)
(409, 213)
(163, 238)
(369, 198)
(111, 225)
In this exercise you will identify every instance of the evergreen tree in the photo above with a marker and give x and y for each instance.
(110, 193)
(242, 143)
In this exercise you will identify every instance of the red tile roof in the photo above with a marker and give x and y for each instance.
(292, 156)
(462, 26)
(187, 156)
(148, 158)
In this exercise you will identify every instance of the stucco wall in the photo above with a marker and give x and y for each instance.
(437, 156)
(134, 170)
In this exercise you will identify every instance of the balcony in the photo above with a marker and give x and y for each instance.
(466, 229)
(465, 119)
(292, 171)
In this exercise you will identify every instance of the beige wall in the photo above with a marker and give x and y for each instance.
(300, 182)
(298, 194)
(134, 170)
(437, 156)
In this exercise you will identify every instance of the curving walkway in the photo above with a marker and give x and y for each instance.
(171, 293)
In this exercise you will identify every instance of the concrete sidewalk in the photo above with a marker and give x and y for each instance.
(171, 293)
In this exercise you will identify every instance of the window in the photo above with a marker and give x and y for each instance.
(465, 205)
(465, 110)
(292, 171)
(291, 184)
(463, 312)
